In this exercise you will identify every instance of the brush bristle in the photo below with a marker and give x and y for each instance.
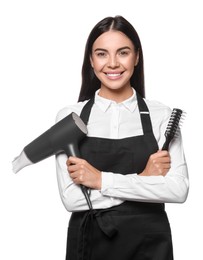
(174, 122)
(173, 127)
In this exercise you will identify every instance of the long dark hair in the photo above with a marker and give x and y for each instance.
(90, 83)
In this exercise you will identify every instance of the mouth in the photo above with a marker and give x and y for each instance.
(114, 75)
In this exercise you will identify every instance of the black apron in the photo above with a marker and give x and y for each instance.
(132, 230)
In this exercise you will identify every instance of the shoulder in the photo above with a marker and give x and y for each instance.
(158, 109)
(76, 108)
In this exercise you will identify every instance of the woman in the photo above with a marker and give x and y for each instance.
(121, 163)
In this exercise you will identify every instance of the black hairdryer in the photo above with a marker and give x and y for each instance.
(64, 136)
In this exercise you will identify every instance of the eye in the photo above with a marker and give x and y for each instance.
(123, 53)
(101, 54)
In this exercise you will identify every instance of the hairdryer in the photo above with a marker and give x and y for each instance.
(64, 136)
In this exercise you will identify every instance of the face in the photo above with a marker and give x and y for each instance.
(113, 60)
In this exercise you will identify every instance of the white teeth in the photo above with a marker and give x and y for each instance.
(113, 75)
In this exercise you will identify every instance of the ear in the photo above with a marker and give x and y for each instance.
(137, 58)
(91, 62)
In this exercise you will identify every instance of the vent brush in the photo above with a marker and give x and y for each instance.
(172, 127)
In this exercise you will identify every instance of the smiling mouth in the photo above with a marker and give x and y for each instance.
(114, 75)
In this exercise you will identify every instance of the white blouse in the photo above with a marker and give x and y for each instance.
(112, 120)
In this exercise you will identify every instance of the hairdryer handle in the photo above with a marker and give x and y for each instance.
(72, 150)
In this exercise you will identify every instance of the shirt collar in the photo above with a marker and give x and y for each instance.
(104, 104)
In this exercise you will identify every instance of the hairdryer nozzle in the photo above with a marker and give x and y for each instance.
(64, 136)
(20, 162)
(78, 121)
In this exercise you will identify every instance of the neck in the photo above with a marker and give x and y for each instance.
(117, 95)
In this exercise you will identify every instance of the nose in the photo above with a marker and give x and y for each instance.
(113, 62)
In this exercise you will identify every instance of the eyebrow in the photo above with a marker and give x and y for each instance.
(122, 48)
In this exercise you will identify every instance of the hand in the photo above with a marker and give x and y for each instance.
(158, 163)
(81, 172)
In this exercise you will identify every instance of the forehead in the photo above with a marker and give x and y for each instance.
(112, 40)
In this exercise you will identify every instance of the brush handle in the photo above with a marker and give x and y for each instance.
(166, 144)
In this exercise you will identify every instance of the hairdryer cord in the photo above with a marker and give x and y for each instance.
(87, 193)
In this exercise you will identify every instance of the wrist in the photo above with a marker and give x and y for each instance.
(99, 181)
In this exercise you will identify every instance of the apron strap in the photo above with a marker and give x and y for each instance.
(144, 115)
(85, 113)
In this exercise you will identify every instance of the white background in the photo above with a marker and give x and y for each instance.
(41, 52)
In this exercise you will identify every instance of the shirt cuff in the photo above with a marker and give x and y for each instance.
(107, 181)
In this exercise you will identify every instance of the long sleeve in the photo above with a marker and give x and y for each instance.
(171, 188)
(111, 120)
(71, 194)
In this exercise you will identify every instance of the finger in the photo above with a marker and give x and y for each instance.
(77, 177)
(72, 160)
(75, 160)
(68, 162)
(166, 166)
(157, 155)
(164, 160)
(74, 175)
(72, 168)
(162, 153)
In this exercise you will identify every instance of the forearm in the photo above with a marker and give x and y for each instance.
(71, 194)
(171, 188)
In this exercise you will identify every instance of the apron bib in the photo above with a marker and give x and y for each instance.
(132, 230)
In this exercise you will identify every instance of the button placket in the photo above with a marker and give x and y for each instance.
(115, 121)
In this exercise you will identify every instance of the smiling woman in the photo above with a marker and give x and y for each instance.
(121, 163)
(113, 59)
(121, 30)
